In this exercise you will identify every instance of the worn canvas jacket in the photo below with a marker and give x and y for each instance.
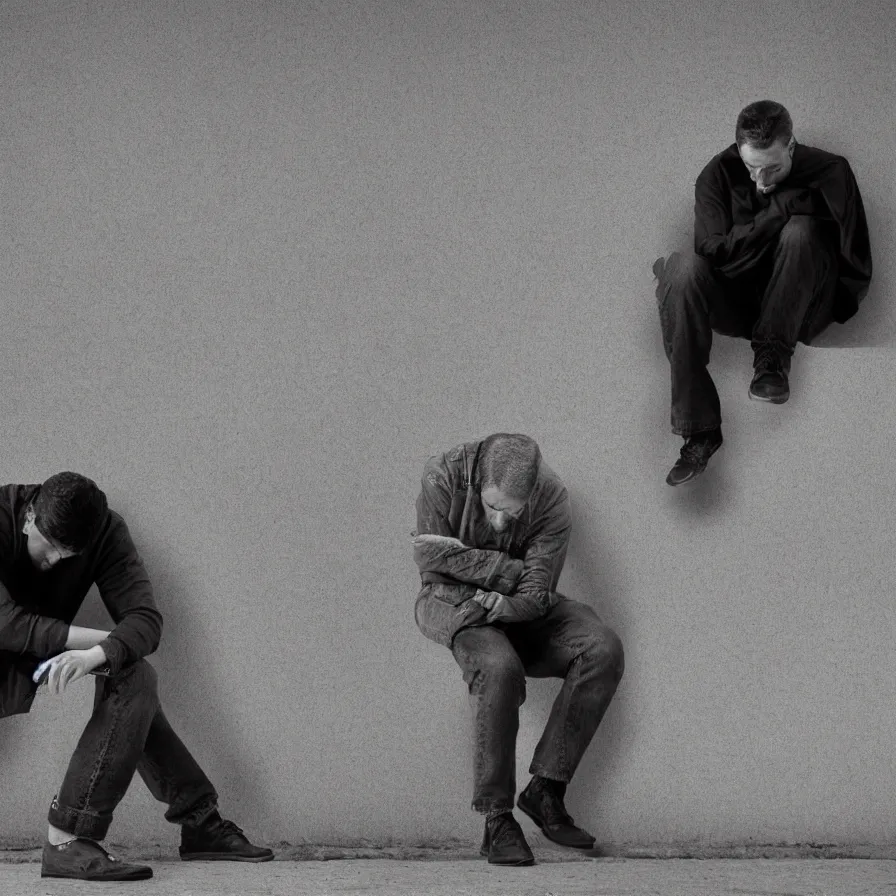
(734, 226)
(523, 563)
(36, 607)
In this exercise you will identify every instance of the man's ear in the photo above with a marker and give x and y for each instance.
(29, 521)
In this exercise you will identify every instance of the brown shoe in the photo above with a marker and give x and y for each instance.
(82, 859)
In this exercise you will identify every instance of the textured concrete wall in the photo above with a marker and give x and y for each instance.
(260, 259)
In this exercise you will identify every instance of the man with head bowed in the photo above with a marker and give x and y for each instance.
(493, 526)
(781, 250)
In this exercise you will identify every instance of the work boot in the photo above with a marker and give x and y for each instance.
(771, 364)
(82, 859)
(218, 839)
(542, 801)
(695, 454)
(504, 843)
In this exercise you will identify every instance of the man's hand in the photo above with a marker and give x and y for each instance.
(68, 667)
(444, 541)
(494, 603)
(801, 201)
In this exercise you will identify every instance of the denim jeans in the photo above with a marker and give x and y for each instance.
(788, 299)
(569, 642)
(128, 732)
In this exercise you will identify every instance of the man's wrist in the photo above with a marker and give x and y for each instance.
(97, 657)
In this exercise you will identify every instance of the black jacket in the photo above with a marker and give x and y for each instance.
(734, 225)
(37, 607)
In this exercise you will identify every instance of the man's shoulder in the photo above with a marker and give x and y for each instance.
(14, 499)
(552, 493)
(722, 165)
(817, 164)
(452, 464)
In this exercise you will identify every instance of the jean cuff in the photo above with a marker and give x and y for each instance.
(80, 822)
(492, 807)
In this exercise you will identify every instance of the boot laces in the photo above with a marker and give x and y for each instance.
(697, 451)
(768, 359)
(506, 830)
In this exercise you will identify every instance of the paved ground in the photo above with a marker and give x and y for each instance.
(553, 876)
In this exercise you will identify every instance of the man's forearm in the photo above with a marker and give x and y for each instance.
(491, 570)
(80, 638)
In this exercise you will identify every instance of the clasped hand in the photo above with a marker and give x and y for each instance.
(68, 667)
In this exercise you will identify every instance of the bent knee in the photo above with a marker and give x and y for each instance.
(607, 654)
(497, 675)
(800, 227)
(681, 268)
(139, 677)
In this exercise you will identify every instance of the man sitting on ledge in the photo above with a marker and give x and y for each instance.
(780, 250)
(493, 526)
(56, 540)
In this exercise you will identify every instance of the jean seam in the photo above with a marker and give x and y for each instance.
(104, 749)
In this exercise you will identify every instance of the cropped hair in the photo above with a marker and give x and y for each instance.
(509, 462)
(70, 509)
(762, 123)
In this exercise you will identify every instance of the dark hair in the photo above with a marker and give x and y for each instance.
(509, 461)
(761, 124)
(69, 509)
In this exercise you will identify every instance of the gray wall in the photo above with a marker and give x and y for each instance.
(260, 259)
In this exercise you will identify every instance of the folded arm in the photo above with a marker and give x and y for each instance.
(126, 591)
(440, 555)
(535, 593)
(24, 632)
(734, 249)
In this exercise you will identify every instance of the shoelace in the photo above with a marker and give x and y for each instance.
(226, 826)
(696, 452)
(506, 830)
(768, 359)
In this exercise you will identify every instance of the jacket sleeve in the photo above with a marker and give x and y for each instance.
(23, 632)
(841, 193)
(732, 249)
(536, 593)
(126, 591)
(489, 570)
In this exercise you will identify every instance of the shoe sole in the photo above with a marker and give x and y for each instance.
(99, 880)
(223, 857)
(525, 862)
(777, 400)
(535, 818)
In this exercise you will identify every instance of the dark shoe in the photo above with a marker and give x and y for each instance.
(771, 366)
(219, 840)
(82, 859)
(542, 801)
(504, 843)
(695, 454)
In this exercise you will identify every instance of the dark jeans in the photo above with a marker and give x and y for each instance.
(128, 732)
(571, 643)
(789, 299)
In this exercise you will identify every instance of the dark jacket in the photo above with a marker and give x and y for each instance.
(734, 225)
(523, 563)
(37, 607)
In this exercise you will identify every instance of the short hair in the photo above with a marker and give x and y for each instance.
(70, 509)
(509, 462)
(762, 123)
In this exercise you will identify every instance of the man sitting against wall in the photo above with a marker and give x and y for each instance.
(56, 540)
(493, 526)
(780, 250)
